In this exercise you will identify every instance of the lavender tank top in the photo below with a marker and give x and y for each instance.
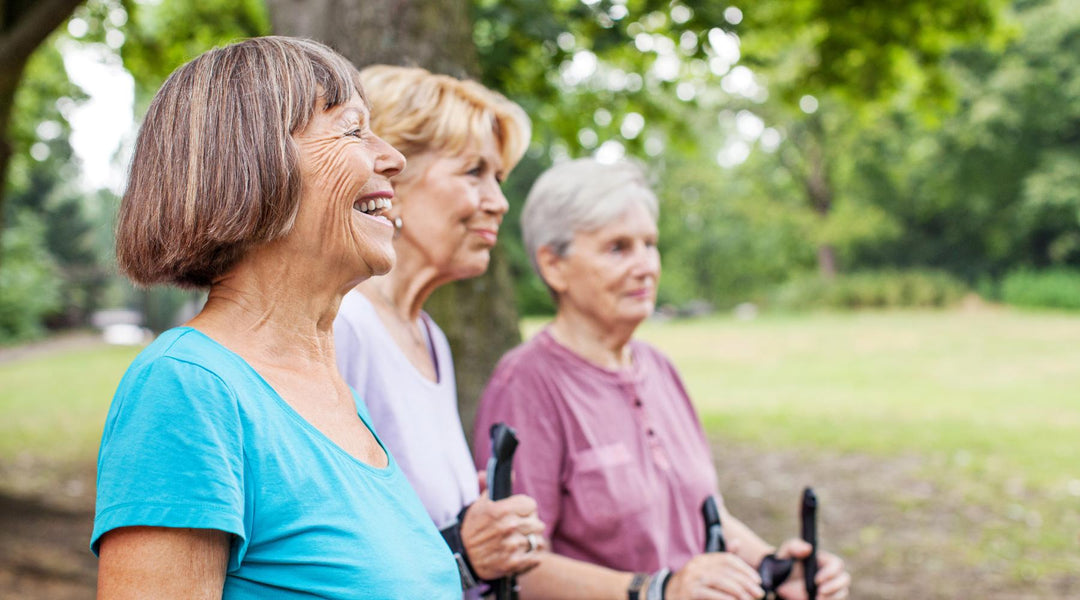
(417, 419)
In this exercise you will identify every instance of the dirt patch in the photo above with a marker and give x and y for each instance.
(44, 550)
(897, 532)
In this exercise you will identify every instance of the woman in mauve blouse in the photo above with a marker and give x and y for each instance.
(610, 445)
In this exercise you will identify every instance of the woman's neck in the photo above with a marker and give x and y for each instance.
(603, 344)
(405, 289)
(268, 311)
(398, 298)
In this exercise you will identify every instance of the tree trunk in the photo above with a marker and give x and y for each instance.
(819, 190)
(8, 82)
(478, 315)
(826, 255)
(434, 34)
(23, 26)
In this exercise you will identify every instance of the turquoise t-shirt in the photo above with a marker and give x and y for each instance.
(196, 438)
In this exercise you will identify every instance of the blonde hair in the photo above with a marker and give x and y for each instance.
(418, 111)
(215, 169)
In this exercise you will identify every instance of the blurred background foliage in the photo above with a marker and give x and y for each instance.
(807, 153)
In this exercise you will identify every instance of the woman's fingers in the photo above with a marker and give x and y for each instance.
(715, 575)
(829, 565)
(496, 536)
(519, 504)
(833, 581)
(736, 578)
(794, 548)
(836, 588)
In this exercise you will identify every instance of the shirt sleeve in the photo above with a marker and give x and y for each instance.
(523, 401)
(172, 453)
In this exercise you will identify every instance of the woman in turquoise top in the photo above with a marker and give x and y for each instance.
(234, 462)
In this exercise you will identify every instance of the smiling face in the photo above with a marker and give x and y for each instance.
(345, 191)
(451, 207)
(608, 275)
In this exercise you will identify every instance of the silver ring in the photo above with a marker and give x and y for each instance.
(531, 538)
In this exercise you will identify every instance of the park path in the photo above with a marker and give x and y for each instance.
(59, 342)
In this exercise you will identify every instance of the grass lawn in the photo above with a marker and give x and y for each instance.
(993, 390)
(53, 407)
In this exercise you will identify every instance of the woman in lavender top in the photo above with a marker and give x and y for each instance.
(610, 445)
(460, 140)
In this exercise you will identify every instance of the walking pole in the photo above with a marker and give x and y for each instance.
(503, 443)
(808, 516)
(714, 533)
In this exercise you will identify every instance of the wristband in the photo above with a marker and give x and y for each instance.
(657, 584)
(452, 535)
(634, 591)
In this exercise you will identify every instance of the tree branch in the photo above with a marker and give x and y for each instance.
(27, 32)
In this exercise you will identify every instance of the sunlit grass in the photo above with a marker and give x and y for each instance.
(54, 407)
(993, 387)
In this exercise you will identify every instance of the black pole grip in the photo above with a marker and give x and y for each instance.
(714, 533)
(808, 517)
(503, 444)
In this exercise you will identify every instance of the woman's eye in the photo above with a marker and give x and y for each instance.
(475, 171)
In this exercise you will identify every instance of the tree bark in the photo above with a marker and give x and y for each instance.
(24, 24)
(819, 190)
(478, 315)
(434, 34)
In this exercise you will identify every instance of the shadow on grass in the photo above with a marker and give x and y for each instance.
(44, 550)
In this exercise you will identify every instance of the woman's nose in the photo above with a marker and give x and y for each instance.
(646, 261)
(389, 162)
(492, 198)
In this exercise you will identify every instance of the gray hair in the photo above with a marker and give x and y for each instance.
(578, 196)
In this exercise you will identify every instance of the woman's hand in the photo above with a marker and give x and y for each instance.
(497, 536)
(833, 582)
(716, 575)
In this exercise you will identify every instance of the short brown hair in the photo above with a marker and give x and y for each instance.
(417, 111)
(215, 170)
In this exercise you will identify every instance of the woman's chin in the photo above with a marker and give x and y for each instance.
(637, 314)
(379, 264)
(473, 266)
(382, 268)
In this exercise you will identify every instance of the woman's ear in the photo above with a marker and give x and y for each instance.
(551, 265)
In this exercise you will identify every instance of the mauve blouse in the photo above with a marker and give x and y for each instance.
(616, 459)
